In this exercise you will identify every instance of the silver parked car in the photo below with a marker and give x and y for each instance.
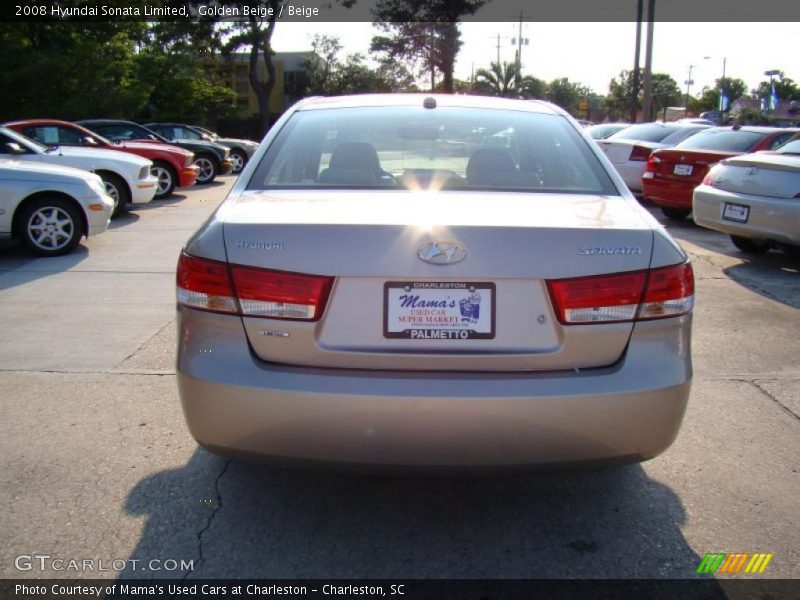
(388, 284)
(754, 199)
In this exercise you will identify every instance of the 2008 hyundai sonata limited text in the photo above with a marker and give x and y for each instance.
(436, 281)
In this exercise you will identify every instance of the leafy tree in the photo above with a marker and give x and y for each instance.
(255, 34)
(327, 74)
(531, 87)
(665, 92)
(66, 69)
(620, 91)
(567, 94)
(785, 88)
(422, 34)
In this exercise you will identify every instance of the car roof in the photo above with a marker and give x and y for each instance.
(106, 122)
(37, 122)
(442, 100)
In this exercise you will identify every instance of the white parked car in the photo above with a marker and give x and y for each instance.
(49, 208)
(126, 176)
(629, 149)
(754, 198)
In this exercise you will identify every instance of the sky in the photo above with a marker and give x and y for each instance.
(593, 53)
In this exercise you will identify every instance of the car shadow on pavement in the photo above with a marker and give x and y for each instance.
(238, 520)
(18, 266)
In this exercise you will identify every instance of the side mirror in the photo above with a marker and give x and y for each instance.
(152, 138)
(14, 148)
(88, 141)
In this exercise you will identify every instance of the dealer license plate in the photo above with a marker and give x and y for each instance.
(438, 310)
(682, 170)
(736, 212)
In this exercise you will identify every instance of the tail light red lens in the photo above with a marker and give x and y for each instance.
(639, 153)
(280, 295)
(247, 291)
(205, 284)
(634, 296)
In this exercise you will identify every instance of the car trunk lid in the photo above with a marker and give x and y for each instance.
(371, 242)
(775, 176)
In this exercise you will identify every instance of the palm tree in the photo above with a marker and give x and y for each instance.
(499, 80)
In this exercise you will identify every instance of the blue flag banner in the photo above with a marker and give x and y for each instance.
(773, 98)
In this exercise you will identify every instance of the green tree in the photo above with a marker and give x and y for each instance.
(665, 92)
(567, 94)
(422, 34)
(66, 69)
(328, 74)
(618, 100)
(785, 88)
(255, 35)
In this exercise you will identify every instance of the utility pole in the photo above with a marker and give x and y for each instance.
(635, 82)
(648, 62)
(688, 83)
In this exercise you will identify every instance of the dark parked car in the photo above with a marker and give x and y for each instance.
(241, 150)
(212, 159)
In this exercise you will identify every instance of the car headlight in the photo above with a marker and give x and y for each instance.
(144, 172)
(189, 160)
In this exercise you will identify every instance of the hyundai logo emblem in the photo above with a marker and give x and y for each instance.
(442, 253)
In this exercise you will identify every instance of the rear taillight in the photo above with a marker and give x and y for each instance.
(247, 291)
(205, 284)
(279, 295)
(639, 153)
(634, 296)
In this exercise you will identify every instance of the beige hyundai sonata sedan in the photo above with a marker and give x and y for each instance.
(435, 281)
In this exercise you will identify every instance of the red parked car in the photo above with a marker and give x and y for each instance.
(672, 173)
(173, 166)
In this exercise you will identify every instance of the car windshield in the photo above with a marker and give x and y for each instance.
(728, 140)
(646, 132)
(418, 148)
(24, 140)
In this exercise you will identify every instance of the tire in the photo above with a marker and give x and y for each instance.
(167, 179)
(675, 214)
(116, 188)
(208, 168)
(749, 246)
(239, 159)
(50, 226)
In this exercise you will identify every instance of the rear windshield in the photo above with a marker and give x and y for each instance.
(723, 139)
(646, 132)
(442, 148)
(791, 147)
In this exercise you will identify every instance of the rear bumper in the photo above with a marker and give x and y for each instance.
(676, 194)
(772, 219)
(631, 173)
(188, 176)
(237, 404)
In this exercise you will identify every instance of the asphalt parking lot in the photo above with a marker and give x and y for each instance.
(98, 464)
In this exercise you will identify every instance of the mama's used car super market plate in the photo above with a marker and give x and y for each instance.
(444, 310)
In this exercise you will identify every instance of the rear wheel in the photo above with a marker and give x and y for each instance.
(208, 169)
(749, 246)
(116, 188)
(675, 214)
(167, 179)
(50, 226)
(239, 160)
